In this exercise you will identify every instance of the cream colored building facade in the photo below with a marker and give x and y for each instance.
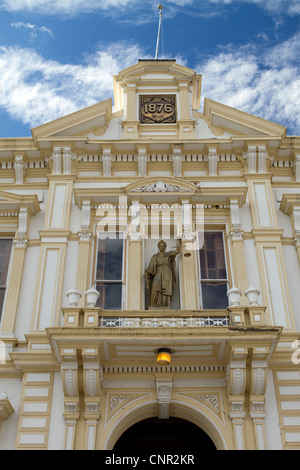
(83, 204)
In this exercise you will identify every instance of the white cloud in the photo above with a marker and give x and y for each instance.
(73, 7)
(34, 30)
(264, 84)
(34, 90)
(69, 7)
(275, 7)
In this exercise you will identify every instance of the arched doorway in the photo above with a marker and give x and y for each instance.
(170, 435)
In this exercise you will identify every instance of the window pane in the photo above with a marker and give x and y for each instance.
(212, 257)
(2, 292)
(110, 296)
(110, 259)
(214, 295)
(5, 250)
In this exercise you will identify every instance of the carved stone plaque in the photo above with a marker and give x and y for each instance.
(157, 109)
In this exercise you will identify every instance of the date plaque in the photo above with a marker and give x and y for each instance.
(158, 109)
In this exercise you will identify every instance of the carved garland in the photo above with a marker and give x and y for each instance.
(160, 187)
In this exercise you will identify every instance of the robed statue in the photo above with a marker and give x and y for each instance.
(161, 276)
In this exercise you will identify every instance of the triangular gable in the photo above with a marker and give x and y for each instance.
(78, 123)
(239, 123)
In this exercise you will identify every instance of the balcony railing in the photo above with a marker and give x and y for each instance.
(154, 322)
(97, 318)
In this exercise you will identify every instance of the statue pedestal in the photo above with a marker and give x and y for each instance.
(160, 308)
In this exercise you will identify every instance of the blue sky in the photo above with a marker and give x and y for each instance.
(58, 56)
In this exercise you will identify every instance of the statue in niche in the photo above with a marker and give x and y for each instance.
(161, 276)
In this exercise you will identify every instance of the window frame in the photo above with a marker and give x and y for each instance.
(226, 280)
(5, 286)
(122, 281)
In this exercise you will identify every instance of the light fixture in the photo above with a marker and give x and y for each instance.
(163, 356)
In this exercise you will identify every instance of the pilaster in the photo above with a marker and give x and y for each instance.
(267, 236)
(84, 256)
(54, 240)
(16, 272)
(236, 236)
(135, 271)
(188, 256)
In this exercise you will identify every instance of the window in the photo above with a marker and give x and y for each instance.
(109, 270)
(213, 273)
(5, 250)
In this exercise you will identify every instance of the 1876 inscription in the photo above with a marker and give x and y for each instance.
(156, 109)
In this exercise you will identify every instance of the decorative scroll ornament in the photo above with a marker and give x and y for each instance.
(160, 187)
(211, 400)
(116, 400)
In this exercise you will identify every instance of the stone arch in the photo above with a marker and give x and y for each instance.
(149, 410)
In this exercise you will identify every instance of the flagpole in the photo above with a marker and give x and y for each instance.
(160, 7)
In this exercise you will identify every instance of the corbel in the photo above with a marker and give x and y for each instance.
(56, 160)
(236, 388)
(164, 394)
(236, 232)
(236, 375)
(61, 159)
(85, 233)
(297, 168)
(68, 156)
(251, 158)
(92, 389)
(257, 157)
(176, 159)
(212, 159)
(6, 408)
(107, 159)
(142, 160)
(21, 238)
(262, 158)
(290, 205)
(259, 375)
(69, 369)
(296, 219)
(19, 167)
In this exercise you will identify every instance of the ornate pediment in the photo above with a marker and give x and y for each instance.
(160, 187)
(167, 185)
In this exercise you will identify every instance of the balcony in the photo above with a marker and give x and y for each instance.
(75, 317)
